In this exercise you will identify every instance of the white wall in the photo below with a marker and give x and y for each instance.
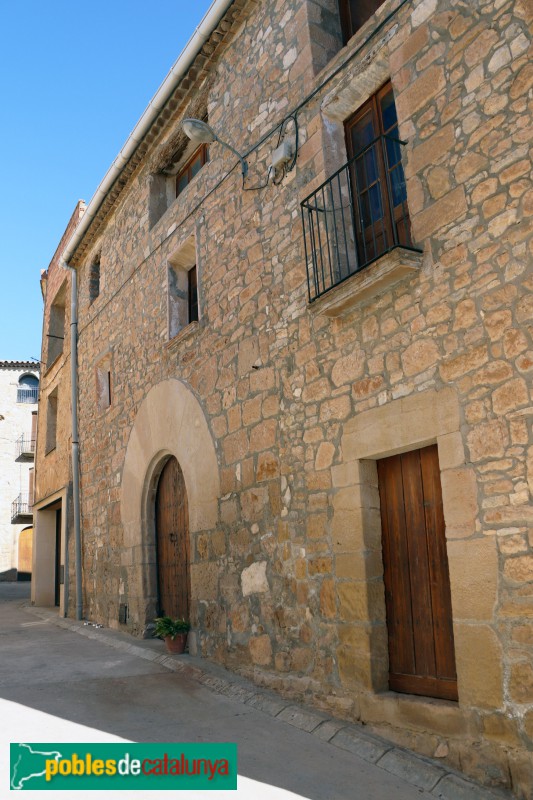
(13, 476)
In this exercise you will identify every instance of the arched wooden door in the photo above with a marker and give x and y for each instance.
(172, 535)
(25, 551)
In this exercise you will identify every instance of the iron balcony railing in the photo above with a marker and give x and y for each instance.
(21, 507)
(27, 395)
(356, 216)
(25, 446)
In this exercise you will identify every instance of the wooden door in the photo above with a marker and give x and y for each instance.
(172, 534)
(57, 581)
(417, 583)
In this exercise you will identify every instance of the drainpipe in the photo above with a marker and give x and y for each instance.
(75, 439)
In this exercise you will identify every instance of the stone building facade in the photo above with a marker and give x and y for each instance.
(304, 381)
(19, 391)
(53, 538)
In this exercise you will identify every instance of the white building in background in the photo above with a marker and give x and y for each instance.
(19, 390)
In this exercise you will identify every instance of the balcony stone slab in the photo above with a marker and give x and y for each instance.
(370, 281)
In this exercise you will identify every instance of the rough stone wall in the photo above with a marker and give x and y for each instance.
(15, 422)
(279, 588)
(53, 467)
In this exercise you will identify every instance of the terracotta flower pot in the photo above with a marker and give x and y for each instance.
(176, 645)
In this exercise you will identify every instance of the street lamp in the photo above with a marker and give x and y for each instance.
(201, 133)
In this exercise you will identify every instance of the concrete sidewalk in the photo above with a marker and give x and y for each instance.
(427, 777)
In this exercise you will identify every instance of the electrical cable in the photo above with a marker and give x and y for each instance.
(252, 149)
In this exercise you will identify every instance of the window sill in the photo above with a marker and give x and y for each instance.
(186, 333)
(386, 271)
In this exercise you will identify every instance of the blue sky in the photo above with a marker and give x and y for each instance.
(74, 80)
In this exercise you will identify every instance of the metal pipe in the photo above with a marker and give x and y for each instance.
(75, 439)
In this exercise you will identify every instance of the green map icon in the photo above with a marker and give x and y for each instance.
(27, 763)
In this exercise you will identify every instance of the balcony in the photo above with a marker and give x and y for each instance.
(21, 510)
(27, 394)
(356, 219)
(25, 449)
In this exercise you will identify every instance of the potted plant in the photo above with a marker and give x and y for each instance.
(173, 631)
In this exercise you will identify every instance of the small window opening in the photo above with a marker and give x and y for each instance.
(354, 14)
(199, 158)
(94, 280)
(51, 421)
(56, 328)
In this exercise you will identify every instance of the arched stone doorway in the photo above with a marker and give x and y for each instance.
(172, 543)
(170, 423)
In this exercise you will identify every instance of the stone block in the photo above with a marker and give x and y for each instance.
(487, 440)
(261, 650)
(427, 714)
(361, 602)
(451, 450)
(302, 718)
(254, 579)
(204, 581)
(362, 566)
(362, 744)
(327, 730)
(448, 208)
(406, 423)
(328, 599)
(510, 396)
(501, 729)
(352, 472)
(453, 787)
(419, 356)
(356, 497)
(462, 364)
(459, 498)
(348, 368)
(324, 456)
(268, 466)
(263, 436)
(420, 92)
(474, 574)
(432, 149)
(519, 569)
(409, 48)
(336, 408)
(478, 656)
(414, 770)
(521, 682)
(268, 704)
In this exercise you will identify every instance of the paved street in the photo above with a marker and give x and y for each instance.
(86, 681)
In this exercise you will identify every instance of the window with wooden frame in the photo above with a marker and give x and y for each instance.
(354, 13)
(377, 176)
(198, 159)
